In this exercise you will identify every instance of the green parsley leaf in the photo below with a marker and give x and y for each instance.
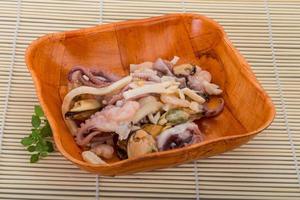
(38, 111)
(34, 158)
(35, 134)
(44, 154)
(35, 121)
(31, 148)
(41, 146)
(46, 130)
(26, 141)
(38, 142)
(50, 146)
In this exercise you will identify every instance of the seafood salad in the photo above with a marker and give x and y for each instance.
(152, 109)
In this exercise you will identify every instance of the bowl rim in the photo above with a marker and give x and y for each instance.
(250, 75)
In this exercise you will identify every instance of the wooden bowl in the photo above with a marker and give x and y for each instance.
(195, 39)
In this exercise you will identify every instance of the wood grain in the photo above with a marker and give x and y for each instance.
(113, 47)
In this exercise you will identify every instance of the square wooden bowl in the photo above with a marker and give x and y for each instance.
(195, 39)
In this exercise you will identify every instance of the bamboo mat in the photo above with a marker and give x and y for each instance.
(266, 32)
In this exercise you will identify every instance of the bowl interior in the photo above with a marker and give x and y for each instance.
(194, 38)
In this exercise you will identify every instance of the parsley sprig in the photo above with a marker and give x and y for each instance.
(38, 143)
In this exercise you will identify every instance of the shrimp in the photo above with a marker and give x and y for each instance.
(110, 119)
(175, 101)
(103, 150)
(124, 113)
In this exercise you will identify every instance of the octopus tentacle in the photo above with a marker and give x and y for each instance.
(116, 97)
(82, 141)
(178, 136)
(108, 76)
(163, 67)
(83, 76)
(197, 80)
(147, 74)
